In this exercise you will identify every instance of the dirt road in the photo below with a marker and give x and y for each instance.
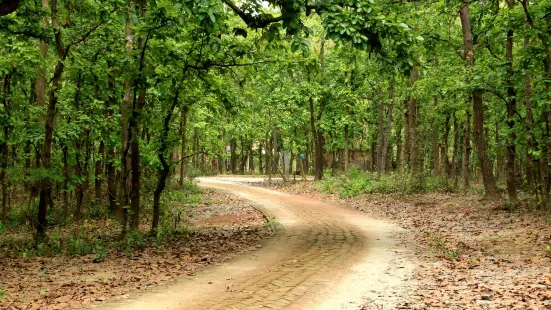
(322, 257)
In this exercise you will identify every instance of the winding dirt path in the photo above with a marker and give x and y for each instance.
(321, 257)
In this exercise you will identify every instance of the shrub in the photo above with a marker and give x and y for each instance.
(357, 182)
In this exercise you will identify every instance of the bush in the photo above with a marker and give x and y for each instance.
(357, 182)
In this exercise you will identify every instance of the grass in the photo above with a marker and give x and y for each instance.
(98, 234)
(357, 182)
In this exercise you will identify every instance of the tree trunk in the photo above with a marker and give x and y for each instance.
(435, 131)
(455, 159)
(99, 171)
(465, 169)
(233, 156)
(499, 153)
(478, 109)
(183, 131)
(243, 157)
(41, 101)
(346, 146)
(164, 171)
(399, 148)
(386, 139)
(251, 158)
(260, 167)
(547, 62)
(135, 181)
(111, 172)
(317, 135)
(4, 147)
(125, 119)
(444, 149)
(380, 131)
(511, 114)
(532, 163)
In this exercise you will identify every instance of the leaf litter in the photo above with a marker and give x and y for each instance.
(220, 228)
(470, 253)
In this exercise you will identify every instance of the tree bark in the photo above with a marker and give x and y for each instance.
(465, 168)
(478, 109)
(435, 132)
(125, 119)
(388, 128)
(455, 157)
(4, 146)
(164, 171)
(233, 156)
(412, 127)
(547, 62)
(511, 114)
(183, 158)
(444, 148)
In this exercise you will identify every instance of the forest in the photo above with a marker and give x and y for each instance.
(107, 107)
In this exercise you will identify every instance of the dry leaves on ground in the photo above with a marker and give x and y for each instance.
(220, 228)
(472, 254)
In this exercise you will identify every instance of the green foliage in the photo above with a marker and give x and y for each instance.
(358, 182)
(440, 248)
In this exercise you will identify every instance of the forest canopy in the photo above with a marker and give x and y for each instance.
(106, 103)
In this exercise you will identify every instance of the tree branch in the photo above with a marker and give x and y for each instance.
(208, 65)
(86, 35)
(254, 22)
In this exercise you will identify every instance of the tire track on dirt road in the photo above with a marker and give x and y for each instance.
(322, 257)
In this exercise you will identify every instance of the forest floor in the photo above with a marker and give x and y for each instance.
(471, 254)
(217, 229)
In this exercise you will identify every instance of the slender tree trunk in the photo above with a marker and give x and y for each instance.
(399, 148)
(511, 114)
(243, 157)
(135, 182)
(499, 153)
(386, 139)
(415, 157)
(444, 149)
(164, 171)
(251, 158)
(317, 135)
(435, 132)
(380, 131)
(233, 156)
(4, 147)
(531, 144)
(260, 167)
(346, 146)
(455, 157)
(41, 101)
(45, 184)
(99, 172)
(111, 173)
(465, 169)
(125, 119)
(183, 131)
(478, 109)
(79, 144)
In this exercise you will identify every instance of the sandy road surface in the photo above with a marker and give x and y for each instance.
(322, 257)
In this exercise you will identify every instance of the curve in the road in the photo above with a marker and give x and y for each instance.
(321, 257)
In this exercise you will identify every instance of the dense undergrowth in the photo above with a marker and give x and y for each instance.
(357, 182)
(98, 233)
